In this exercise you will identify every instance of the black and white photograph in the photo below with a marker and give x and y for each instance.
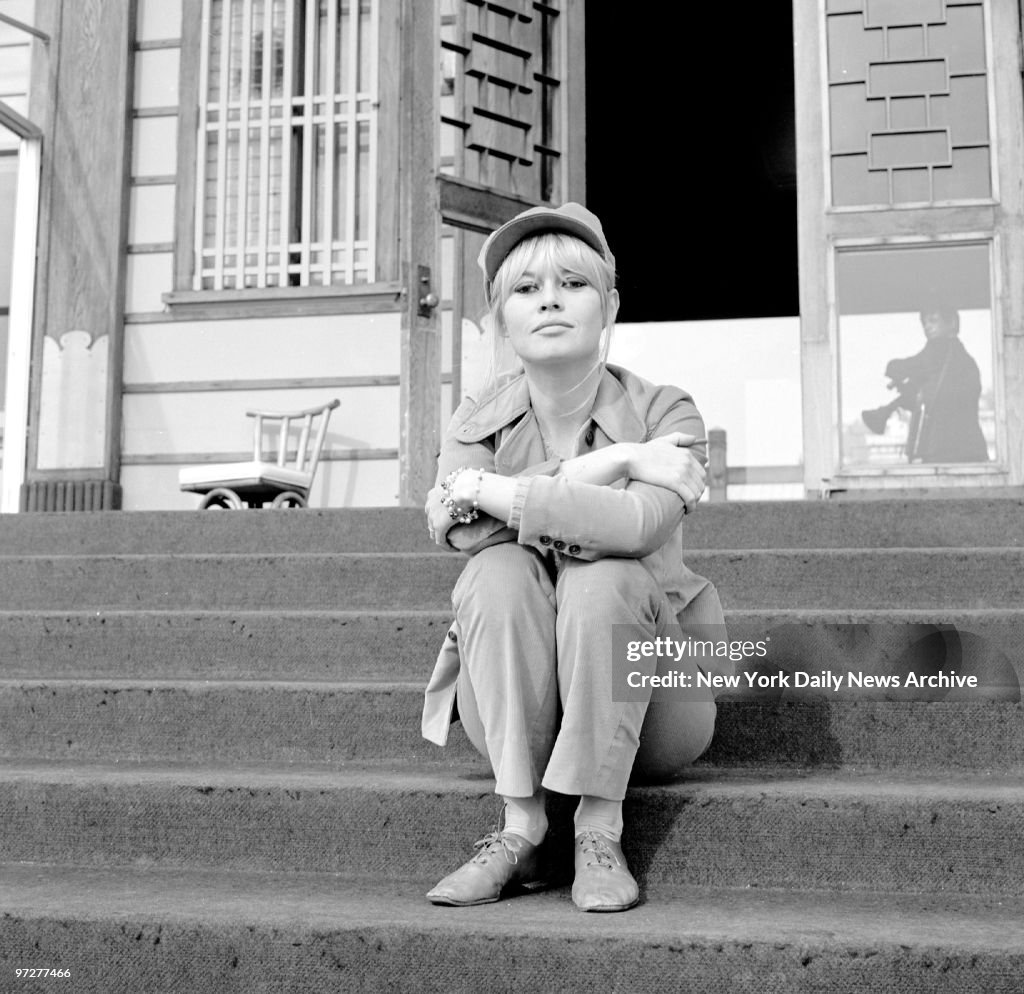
(511, 496)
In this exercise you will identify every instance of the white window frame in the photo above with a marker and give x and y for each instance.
(19, 325)
(334, 258)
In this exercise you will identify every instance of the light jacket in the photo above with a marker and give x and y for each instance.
(629, 519)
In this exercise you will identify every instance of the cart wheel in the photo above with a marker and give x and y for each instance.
(221, 498)
(289, 499)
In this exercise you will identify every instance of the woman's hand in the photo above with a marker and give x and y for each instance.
(668, 462)
(439, 521)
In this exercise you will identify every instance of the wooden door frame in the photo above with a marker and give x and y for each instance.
(823, 232)
(428, 199)
(419, 236)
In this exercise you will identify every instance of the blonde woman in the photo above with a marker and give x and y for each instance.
(566, 484)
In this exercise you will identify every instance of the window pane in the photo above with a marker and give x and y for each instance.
(210, 198)
(8, 190)
(319, 182)
(341, 212)
(917, 365)
(278, 121)
(253, 213)
(256, 51)
(364, 182)
(274, 205)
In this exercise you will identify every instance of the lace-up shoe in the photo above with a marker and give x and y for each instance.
(503, 862)
(603, 881)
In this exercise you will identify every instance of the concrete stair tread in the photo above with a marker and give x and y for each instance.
(363, 683)
(439, 555)
(170, 613)
(314, 901)
(195, 684)
(831, 614)
(141, 929)
(702, 783)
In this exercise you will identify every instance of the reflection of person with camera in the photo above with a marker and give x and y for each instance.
(940, 386)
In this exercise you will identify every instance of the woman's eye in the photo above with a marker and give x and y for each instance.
(525, 287)
(575, 283)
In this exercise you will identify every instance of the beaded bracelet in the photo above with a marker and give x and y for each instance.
(456, 512)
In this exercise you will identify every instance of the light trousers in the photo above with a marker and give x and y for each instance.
(535, 689)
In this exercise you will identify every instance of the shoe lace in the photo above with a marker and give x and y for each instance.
(493, 843)
(593, 845)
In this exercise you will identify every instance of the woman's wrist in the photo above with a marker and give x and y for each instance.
(630, 452)
(460, 493)
(466, 488)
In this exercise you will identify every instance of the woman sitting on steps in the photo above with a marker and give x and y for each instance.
(566, 483)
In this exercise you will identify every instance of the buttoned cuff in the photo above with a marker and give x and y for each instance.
(548, 468)
(542, 521)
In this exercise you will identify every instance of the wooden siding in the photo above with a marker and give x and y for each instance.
(191, 369)
(187, 385)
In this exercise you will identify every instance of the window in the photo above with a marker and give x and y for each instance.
(8, 193)
(287, 144)
(917, 356)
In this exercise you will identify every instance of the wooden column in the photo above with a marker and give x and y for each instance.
(815, 338)
(419, 240)
(74, 444)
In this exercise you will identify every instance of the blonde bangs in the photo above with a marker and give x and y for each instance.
(562, 254)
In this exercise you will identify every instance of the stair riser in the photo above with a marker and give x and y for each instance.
(723, 836)
(273, 725)
(956, 579)
(893, 523)
(151, 954)
(244, 645)
(288, 582)
(401, 645)
(219, 724)
(845, 579)
(376, 529)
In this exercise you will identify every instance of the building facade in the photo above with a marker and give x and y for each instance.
(214, 205)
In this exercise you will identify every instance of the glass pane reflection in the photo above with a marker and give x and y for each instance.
(916, 364)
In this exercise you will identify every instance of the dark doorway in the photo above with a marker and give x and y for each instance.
(691, 156)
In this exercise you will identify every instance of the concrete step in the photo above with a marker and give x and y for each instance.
(215, 722)
(932, 521)
(209, 721)
(301, 581)
(223, 645)
(885, 523)
(754, 579)
(823, 831)
(373, 529)
(400, 645)
(152, 930)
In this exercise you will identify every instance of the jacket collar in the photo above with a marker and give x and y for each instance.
(614, 411)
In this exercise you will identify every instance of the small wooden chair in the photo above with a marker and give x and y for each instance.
(285, 482)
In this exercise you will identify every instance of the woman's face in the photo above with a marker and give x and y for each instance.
(554, 315)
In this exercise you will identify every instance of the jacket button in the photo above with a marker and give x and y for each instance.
(574, 550)
(453, 636)
(545, 540)
(589, 437)
(559, 544)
